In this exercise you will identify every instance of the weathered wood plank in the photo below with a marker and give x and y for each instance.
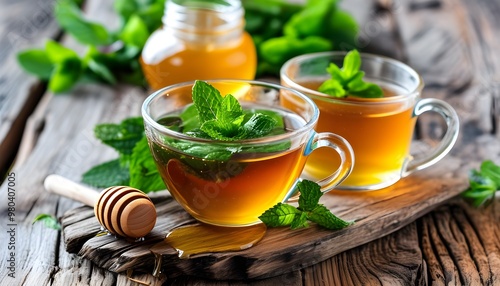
(23, 24)
(393, 260)
(461, 245)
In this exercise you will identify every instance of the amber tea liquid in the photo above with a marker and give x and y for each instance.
(234, 192)
(380, 136)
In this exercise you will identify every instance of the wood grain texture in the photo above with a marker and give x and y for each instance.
(395, 259)
(450, 230)
(23, 24)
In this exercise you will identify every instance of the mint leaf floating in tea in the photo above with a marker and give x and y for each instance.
(224, 120)
(348, 80)
(483, 184)
(309, 209)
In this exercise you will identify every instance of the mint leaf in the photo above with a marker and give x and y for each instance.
(190, 120)
(36, 62)
(370, 90)
(352, 63)
(97, 66)
(258, 125)
(336, 74)
(299, 221)
(57, 53)
(223, 118)
(144, 174)
(228, 118)
(125, 7)
(333, 88)
(310, 193)
(491, 171)
(309, 209)
(65, 75)
(481, 187)
(112, 173)
(49, 221)
(101, 70)
(135, 32)
(207, 101)
(322, 216)
(279, 215)
(122, 137)
(71, 19)
(348, 80)
(134, 167)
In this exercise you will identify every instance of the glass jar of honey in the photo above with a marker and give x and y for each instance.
(199, 40)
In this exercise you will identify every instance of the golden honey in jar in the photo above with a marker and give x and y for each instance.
(199, 40)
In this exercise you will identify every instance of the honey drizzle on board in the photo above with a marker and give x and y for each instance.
(203, 238)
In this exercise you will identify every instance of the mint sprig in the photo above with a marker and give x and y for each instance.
(223, 118)
(348, 80)
(483, 184)
(135, 165)
(309, 209)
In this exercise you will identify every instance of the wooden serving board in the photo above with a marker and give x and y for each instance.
(376, 214)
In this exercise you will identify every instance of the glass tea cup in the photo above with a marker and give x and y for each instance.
(231, 183)
(380, 130)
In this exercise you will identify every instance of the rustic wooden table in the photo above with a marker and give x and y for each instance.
(454, 44)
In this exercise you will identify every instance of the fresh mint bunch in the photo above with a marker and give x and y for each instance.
(483, 183)
(135, 165)
(282, 29)
(110, 56)
(309, 210)
(348, 80)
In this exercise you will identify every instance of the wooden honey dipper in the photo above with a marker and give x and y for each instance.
(122, 210)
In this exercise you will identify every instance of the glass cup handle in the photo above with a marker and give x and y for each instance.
(450, 137)
(342, 147)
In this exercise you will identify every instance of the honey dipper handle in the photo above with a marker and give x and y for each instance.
(59, 185)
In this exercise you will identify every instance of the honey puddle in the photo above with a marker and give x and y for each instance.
(203, 238)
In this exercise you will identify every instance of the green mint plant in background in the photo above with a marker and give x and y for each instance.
(348, 80)
(280, 30)
(110, 56)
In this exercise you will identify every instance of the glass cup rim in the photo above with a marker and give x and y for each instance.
(267, 139)
(353, 100)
